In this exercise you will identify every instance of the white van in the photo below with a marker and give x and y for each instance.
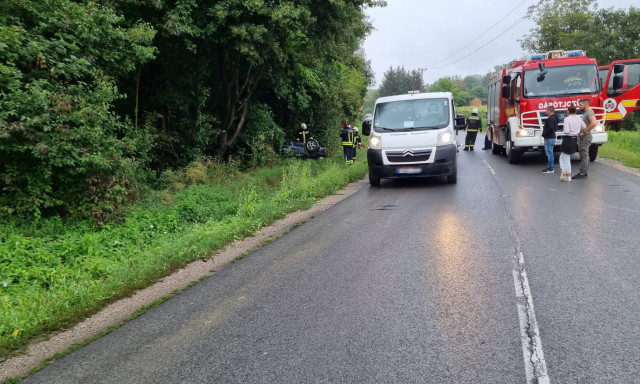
(413, 135)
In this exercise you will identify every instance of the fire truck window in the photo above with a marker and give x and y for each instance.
(566, 80)
(631, 78)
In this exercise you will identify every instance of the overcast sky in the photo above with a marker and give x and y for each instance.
(424, 33)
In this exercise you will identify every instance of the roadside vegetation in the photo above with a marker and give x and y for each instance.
(56, 272)
(623, 146)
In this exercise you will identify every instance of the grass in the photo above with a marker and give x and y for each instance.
(55, 273)
(623, 146)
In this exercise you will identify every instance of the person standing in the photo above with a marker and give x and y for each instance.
(474, 124)
(573, 124)
(585, 137)
(346, 134)
(304, 134)
(357, 142)
(549, 135)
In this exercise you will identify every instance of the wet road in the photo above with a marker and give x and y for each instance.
(510, 276)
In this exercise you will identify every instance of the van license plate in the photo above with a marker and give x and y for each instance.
(408, 170)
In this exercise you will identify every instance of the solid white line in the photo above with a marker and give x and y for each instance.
(488, 166)
(534, 362)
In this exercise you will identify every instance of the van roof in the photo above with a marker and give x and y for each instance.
(415, 96)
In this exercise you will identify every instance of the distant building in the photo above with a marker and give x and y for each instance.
(475, 102)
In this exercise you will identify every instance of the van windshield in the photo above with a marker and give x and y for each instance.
(409, 115)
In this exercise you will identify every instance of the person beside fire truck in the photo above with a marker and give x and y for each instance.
(549, 135)
(573, 124)
(473, 125)
(585, 137)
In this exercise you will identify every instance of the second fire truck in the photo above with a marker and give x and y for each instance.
(520, 93)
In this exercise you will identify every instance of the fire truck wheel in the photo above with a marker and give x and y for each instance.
(513, 155)
(593, 152)
(496, 149)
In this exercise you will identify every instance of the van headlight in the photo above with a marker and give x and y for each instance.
(525, 133)
(445, 138)
(375, 141)
(598, 128)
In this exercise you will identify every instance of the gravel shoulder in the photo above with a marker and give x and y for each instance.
(37, 352)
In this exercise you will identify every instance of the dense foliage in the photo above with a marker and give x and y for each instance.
(98, 97)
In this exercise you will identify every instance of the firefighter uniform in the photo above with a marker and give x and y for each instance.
(304, 134)
(357, 141)
(347, 143)
(474, 124)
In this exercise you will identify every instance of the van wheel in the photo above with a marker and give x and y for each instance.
(593, 152)
(453, 177)
(374, 181)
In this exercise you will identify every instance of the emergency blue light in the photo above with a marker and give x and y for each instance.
(575, 53)
(537, 57)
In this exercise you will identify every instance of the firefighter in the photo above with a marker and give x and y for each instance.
(357, 142)
(473, 126)
(304, 134)
(346, 134)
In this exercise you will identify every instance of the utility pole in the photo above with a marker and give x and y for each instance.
(422, 69)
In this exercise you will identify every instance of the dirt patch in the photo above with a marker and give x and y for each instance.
(37, 352)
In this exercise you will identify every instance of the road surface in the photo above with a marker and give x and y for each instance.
(509, 276)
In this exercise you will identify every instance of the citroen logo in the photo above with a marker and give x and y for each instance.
(408, 152)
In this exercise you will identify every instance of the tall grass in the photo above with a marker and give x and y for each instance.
(623, 146)
(54, 273)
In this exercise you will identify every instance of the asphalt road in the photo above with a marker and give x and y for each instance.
(509, 276)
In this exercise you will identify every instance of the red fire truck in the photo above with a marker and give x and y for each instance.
(520, 93)
(621, 95)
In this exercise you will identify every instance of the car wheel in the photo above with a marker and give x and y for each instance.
(312, 146)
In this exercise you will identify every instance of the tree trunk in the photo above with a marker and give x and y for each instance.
(238, 87)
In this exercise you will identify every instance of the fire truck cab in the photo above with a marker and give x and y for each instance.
(620, 81)
(520, 93)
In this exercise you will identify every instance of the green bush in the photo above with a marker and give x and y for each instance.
(62, 149)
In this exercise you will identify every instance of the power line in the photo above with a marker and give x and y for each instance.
(480, 35)
(510, 27)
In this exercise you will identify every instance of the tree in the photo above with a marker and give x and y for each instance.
(620, 42)
(557, 27)
(397, 81)
(61, 145)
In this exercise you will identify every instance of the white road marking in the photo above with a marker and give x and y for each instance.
(488, 166)
(534, 362)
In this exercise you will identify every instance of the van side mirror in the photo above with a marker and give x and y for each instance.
(461, 121)
(366, 127)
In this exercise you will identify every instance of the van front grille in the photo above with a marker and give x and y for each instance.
(409, 156)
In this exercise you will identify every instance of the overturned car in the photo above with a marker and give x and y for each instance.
(310, 150)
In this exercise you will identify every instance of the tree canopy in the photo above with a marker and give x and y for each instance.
(98, 97)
